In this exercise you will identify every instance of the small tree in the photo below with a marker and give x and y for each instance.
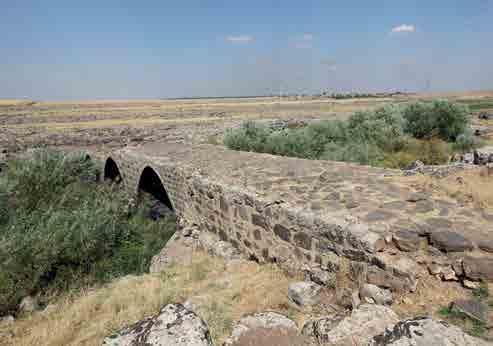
(440, 118)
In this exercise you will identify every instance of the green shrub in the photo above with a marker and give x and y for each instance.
(45, 176)
(250, 136)
(293, 143)
(390, 136)
(440, 118)
(362, 153)
(383, 127)
(82, 235)
(319, 134)
(465, 141)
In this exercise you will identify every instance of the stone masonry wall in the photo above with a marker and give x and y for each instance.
(265, 231)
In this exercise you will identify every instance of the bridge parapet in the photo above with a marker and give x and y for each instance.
(297, 213)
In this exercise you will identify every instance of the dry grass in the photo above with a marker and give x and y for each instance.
(13, 102)
(222, 294)
(431, 295)
(473, 187)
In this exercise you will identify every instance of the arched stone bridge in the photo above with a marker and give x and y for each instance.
(292, 211)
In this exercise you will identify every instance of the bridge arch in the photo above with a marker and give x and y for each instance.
(150, 182)
(112, 172)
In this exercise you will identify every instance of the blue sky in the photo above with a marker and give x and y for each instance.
(56, 49)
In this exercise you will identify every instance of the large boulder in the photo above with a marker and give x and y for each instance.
(263, 328)
(424, 331)
(178, 249)
(174, 325)
(356, 329)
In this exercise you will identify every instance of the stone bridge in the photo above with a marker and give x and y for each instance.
(303, 213)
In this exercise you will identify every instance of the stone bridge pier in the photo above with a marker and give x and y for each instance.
(296, 213)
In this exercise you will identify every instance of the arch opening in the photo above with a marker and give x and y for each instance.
(111, 172)
(152, 191)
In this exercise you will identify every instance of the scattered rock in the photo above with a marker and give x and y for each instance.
(370, 293)
(486, 245)
(450, 241)
(318, 329)
(444, 272)
(355, 299)
(483, 156)
(382, 278)
(473, 309)
(304, 293)
(173, 325)
(357, 329)
(28, 304)
(406, 240)
(416, 165)
(416, 197)
(470, 284)
(344, 298)
(478, 268)
(485, 116)
(259, 325)
(468, 158)
(7, 320)
(322, 277)
(424, 331)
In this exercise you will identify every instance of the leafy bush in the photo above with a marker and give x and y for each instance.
(383, 127)
(362, 153)
(83, 234)
(45, 176)
(250, 136)
(440, 118)
(287, 143)
(465, 141)
(390, 136)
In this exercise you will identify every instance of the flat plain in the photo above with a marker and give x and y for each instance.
(115, 123)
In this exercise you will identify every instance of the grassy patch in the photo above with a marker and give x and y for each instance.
(86, 317)
(472, 327)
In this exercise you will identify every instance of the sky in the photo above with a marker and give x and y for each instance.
(64, 49)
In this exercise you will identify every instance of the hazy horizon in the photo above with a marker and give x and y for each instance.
(124, 50)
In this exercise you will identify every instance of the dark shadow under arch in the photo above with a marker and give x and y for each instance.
(111, 171)
(151, 183)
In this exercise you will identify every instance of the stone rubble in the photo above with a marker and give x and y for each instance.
(304, 294)
(356, 329)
